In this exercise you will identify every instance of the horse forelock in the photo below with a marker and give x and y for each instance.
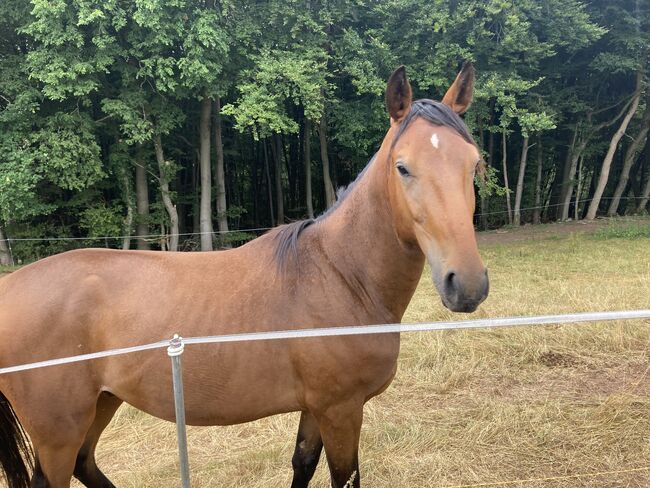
(436, 113)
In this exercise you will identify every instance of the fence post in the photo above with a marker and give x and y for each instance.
(174, 351)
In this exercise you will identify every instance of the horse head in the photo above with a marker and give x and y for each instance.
(432, 161)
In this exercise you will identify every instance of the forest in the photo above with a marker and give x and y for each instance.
(198, 125)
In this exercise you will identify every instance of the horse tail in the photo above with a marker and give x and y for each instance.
(16, 454)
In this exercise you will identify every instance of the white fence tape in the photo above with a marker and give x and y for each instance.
(346, 331)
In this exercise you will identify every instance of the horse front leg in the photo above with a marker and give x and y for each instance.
(307, 453)
(340, 427)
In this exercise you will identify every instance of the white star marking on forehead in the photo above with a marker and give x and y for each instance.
(434, 140)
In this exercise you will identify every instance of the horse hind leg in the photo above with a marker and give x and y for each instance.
(86, 469)
(307, 453)
(64, 437)
(56, 444)
(55, 461)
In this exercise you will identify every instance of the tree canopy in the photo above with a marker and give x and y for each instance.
(117, 116)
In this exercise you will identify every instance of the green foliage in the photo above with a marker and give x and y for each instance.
(86, 86)
(359, 125)
(235, 238)
(278, 78)
(486, 180)
(101, 220)
(67, 152)
(235, 211)
(63, 152)
(74, 46)
(18, 180)
(534, 122)
(42, 239)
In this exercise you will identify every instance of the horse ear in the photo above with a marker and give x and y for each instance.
(459, 95)
(398, 95)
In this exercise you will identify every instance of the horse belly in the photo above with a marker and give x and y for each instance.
(223, 384)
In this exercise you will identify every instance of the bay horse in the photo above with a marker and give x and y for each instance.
(357, 264)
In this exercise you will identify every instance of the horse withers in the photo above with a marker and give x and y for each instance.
(357, 264)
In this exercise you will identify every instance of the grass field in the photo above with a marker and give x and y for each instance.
(470, 407)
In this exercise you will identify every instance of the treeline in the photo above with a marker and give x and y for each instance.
(186, 121)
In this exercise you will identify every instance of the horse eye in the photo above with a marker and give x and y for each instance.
(402, 170)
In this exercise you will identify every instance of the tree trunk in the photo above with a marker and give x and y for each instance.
(164, 168)
(588, 187)
(292, 152)
(491, 131)
(205, 207)
(645, 196)
(607, 162)
(505, 175)
(255, 187)
(6, 259)
(285, 163)
(279, 195)
(573, 165)
(142, 201)
(483, 199)
(163, 240)
(628, 160)
(547, 193)
(645, 193)
(128, 220)
(566, 188)
(491, 148)
(576, 209)
(307, 161)
(520, 182)
(219, 173)
(537, 211)
(268, 182)
(330, 194)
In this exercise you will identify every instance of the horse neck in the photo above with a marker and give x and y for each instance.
(360, 241)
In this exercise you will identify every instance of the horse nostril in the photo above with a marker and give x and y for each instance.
(450, 282)
(486, 284)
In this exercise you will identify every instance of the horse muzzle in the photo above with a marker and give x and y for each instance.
(464, 293)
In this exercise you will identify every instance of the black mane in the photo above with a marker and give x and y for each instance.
(435, 112)
(287, 241)
(287, 235)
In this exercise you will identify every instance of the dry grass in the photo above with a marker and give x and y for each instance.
(471, 406)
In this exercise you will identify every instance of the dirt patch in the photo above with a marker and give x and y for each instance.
(569, 383)
(557, 359)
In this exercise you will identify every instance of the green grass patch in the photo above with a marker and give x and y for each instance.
(8, 269)
(624, 230)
